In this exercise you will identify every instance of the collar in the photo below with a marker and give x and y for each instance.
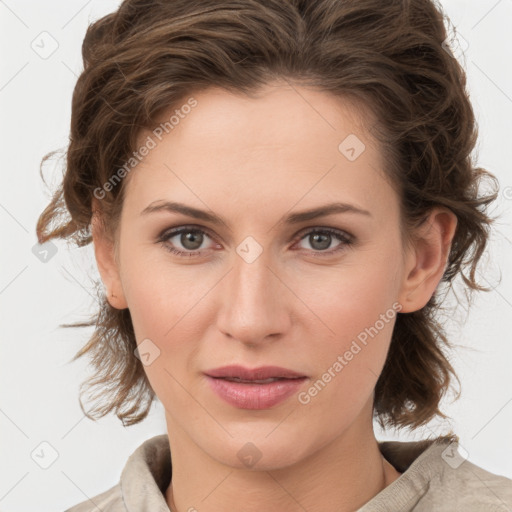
(148, 471)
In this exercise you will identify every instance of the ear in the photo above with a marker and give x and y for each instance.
(104, 252)
(426, 261)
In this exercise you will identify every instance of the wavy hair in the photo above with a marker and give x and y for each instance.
(391, 57)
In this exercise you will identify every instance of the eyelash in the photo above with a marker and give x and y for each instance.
(164, 237)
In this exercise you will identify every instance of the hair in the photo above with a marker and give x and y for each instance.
(391, 57)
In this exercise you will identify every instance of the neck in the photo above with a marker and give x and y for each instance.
(342, 476)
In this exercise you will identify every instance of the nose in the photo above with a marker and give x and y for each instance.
(255, 302)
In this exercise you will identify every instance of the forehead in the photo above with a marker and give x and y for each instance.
(284, 145)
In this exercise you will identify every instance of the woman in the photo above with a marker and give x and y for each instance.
(275, 191)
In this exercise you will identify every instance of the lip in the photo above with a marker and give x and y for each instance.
(260, 373)
(254, 395)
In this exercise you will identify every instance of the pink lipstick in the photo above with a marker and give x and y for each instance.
(258, 388)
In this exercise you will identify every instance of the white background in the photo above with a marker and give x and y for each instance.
(39, 387)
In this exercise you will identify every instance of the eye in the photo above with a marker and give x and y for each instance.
(321, 238)
(189, 237)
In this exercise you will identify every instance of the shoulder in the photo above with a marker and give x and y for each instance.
(144, 478)
(454, 483)
(437, 475)
(471, 487)
(109, 501)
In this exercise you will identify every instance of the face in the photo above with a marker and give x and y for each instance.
(316, 295)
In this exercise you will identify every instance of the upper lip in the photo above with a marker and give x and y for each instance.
(261, 373)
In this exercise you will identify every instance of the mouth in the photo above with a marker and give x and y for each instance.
(259, 388)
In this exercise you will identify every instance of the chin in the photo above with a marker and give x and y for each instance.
(260, 455)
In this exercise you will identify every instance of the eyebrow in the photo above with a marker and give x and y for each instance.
(292, 218)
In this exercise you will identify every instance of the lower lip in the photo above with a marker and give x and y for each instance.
(255, 396)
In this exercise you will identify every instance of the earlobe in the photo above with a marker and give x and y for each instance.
(106, 261)
(426, 262)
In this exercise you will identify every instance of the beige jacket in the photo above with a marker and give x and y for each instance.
(435, 477)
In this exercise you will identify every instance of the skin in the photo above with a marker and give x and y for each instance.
(252, 161)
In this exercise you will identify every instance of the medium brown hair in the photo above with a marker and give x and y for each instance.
(150, 55)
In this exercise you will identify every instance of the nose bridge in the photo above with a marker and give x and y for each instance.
(252, 301)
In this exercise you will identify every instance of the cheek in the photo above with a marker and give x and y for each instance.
(358, 316)
(158, 309)
(164, 305)
(157, 295)
(353, 296)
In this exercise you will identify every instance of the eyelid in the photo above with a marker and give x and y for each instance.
(191, 227)
(328, 229)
